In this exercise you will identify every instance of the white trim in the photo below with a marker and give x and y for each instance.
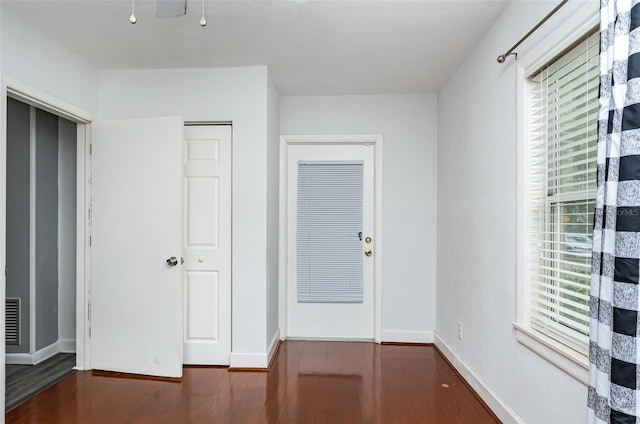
(249, 360)
(42, 100)
(23, 92)
(18, 359)
(522, 247)
(400, 336)
(46, 353)
(579, 24)
(330, 339)
(273, 347)
(67, 345)
(33, 358)
(376, 141)
(502, 411)
(83, 249)
(568, 360)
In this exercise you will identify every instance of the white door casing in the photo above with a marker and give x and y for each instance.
(27, 94)
(207, 244)
(331, 320)
(136, 296)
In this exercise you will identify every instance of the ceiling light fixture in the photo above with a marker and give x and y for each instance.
(203, 21)
(168, 9)
(132, 18)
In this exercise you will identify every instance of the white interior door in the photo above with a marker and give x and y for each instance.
(330, 219)
(207, 244)
(136, 294)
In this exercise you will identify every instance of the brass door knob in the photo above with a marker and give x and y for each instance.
(368, 252)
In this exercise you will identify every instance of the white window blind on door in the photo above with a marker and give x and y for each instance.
(329, 249)
(562, 185)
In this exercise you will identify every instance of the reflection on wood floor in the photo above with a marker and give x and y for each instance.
(309, 382)
(25, 381)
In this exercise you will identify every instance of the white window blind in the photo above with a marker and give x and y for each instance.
(329, 249)
(562, 185)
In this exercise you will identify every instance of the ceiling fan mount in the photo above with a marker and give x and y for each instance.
(171, 8)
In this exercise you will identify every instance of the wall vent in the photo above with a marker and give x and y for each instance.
(12, 319)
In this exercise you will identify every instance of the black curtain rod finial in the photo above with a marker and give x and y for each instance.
(503, 57)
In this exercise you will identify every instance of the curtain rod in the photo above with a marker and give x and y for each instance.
(510, 52)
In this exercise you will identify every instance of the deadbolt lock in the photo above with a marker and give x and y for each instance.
(367, 240)
(368, 252)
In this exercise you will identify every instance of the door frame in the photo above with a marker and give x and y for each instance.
(16, 89)
(327, 140)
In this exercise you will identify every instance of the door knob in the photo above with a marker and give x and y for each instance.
(368, 252)
(172, 261)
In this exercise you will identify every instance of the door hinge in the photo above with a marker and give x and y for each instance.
(90, 241)
(90, 149)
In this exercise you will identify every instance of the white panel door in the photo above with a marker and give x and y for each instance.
(136, 295)
(207, 244)
(326, 319)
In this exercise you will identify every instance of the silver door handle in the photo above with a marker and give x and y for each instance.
(172, 261)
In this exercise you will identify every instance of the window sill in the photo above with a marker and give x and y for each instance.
(568, 360)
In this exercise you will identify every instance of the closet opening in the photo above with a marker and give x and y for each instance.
(41, 250)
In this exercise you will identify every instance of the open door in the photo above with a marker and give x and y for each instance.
(136, 287)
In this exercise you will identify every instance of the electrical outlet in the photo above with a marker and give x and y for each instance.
(460, 329)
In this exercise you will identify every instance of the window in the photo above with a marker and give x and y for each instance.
(329, 221)
(560, 185)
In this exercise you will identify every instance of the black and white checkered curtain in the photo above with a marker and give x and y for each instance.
(614, 374)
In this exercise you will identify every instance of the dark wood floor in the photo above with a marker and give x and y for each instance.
(309, 382)
(25, 381)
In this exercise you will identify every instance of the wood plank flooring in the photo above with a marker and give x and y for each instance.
(309, 382)
(25, 381)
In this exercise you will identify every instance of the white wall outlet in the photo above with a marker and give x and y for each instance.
(460, 330)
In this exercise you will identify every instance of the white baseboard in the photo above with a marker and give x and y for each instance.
(328, 339)
(35, 358)
(400, 336)
(273, 347)
(46, 353)
(502, 411)
(18, 359)
(67, 345)
(259, 361)
(248, 360)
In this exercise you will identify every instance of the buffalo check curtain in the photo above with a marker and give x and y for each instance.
(614, 372)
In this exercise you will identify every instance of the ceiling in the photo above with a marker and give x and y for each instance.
(314, 47)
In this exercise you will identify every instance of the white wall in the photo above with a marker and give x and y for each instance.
(36, 60)
(409, 171)
(273, 179)
(238, 95)
(477, 170)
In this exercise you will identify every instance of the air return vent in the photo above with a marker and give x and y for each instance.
(12, 317)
